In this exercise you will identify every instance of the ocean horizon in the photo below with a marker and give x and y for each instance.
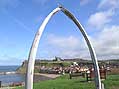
(8, 68)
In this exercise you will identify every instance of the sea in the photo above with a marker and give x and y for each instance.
(7, 79)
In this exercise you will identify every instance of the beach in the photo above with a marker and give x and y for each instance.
(48, 75)
(42, 77)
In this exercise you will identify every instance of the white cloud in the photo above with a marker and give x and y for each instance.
(62, 41)
(100, 19)
(68, 47)
(109, 4)
(107, 43)
(107, 10)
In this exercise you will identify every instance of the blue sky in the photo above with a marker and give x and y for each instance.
(20, 19)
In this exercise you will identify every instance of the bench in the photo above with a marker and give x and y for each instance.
(90, 74)
(76, 74)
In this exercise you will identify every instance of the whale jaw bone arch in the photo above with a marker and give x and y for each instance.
(34, 47)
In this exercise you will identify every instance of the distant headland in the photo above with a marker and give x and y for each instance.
(57, 62)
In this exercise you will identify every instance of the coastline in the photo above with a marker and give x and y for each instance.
(37, 78)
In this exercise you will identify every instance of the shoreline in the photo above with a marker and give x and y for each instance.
(48, 75)
(7, 73)
(37, 78)
(35, 74)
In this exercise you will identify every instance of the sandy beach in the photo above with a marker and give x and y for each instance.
(48, 75)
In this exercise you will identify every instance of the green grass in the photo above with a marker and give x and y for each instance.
(112, 82)
(63, 82)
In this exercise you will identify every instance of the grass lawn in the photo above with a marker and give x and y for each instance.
(112, 82)
(63, 82)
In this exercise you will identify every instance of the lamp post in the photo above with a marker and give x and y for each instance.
(34, 47)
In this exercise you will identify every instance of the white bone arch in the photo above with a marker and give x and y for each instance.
(33, 50)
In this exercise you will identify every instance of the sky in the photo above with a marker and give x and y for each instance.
(20, 20)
